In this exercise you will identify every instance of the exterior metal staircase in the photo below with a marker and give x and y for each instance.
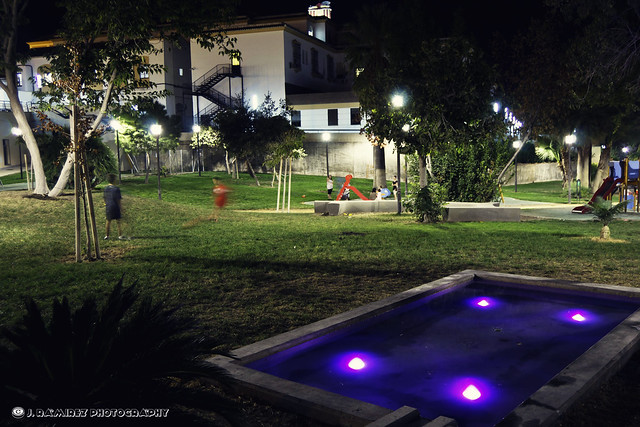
(204, 87)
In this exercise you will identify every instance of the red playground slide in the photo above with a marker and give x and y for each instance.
(607, 188)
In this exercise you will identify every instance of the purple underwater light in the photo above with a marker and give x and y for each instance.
(356, 364)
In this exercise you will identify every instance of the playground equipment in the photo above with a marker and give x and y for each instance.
(347, 185)
(623, 175)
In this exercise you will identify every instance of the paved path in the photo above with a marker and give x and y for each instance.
(8, 170)
(544, 210)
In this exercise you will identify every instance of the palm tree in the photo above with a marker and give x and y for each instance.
(606, 212)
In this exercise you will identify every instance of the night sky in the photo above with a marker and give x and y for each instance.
(483, 18)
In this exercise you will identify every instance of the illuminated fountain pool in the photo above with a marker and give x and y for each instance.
(481, 348)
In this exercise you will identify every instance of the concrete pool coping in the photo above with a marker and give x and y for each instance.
(542, 408)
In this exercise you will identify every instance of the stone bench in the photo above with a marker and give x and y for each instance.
(483, 213)
(333, 207)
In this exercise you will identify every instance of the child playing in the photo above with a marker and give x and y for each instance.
(113, 205)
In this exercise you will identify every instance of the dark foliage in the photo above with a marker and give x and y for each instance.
(469, 172)
(426, 203)
(52, 145)
(127, 354)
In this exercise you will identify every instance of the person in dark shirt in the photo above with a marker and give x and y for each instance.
(112, 203)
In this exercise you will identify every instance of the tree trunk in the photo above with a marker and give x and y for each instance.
(10, 89)
(92, 211)
(251, 172)
(85, 204)
(146, 167)
(603, 165)
(76, 180)
(226, 163)
(583, 165)
(566, 167)
(63, 179)
(380, 177)
(422, 168)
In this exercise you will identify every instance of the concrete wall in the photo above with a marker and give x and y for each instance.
(8, 142)
(535, 172)
(348, 154)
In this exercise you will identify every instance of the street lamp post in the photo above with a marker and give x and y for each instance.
(117, 127)
(196, 130)
(156, 130)
(326, 137)
(398, 102)
(569, 140)
(18, 133)
(516, 144)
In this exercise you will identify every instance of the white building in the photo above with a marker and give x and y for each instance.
(291, 57)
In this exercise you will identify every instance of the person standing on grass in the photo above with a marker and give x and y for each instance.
(113, 205)
(220, 198)
(329, 186)
(394, 184)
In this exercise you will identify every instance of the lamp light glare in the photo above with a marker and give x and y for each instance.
(155, 129)
(406, 127)
(625, 150)
(196, 128)
(16, 131)
(115, 124)
(471, 392)
(397, 101)
(356, 364)
(496, 107)
(483, 303)
(570, 139)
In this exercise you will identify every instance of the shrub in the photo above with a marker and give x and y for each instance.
(427, 203)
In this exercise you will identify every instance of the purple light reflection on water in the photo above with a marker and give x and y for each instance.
(471, 390)
(355, 363)
(579, 316)
(483, 303)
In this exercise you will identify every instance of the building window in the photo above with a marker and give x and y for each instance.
(331, 73)
(332, 116)
(297, 55)
(19, 79)
(315, 65)
(355, 116)
(295, 118)
(142, 69)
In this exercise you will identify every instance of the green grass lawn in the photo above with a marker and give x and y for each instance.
(256, 273)
(14, 178)
(549, 191)
(194, 190)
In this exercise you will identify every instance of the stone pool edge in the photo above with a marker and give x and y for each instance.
(543, 407)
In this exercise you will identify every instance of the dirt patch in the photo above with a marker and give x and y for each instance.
(598, 239)
(109, 254)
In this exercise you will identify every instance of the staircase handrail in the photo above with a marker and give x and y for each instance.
(220, 69)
